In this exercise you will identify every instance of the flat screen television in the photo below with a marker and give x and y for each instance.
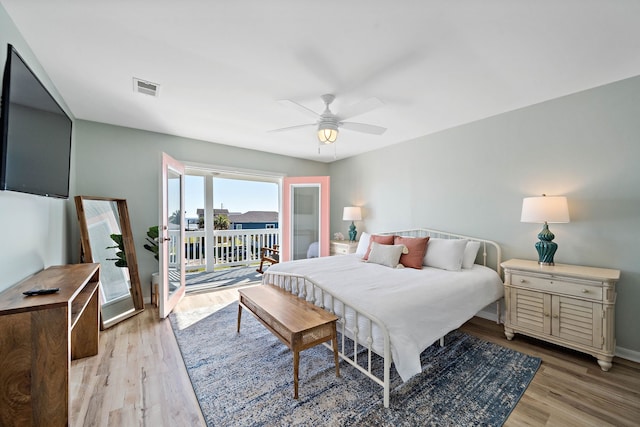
(36, 134)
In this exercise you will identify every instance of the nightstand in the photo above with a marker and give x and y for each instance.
(568, 305)
(342, 247)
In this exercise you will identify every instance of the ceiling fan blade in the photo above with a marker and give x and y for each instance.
(362, 127)
(299, 107)
(319, 65)
(294, 127)
(361, 107)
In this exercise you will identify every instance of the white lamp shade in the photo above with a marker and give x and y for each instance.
(551, 209)
(352, 213)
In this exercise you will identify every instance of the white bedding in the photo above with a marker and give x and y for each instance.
(417, 306)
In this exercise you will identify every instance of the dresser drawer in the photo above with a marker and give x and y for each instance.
(559, 285)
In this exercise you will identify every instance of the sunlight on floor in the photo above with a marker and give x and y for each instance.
(188, 318)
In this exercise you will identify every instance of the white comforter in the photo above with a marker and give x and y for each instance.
(416, 306)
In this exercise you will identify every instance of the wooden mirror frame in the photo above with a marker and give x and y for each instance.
(86, 255)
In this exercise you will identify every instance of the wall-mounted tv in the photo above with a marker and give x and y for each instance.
(35, 132)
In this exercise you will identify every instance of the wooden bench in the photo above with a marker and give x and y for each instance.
(297, 323)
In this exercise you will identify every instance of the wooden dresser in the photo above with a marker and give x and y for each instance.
(39, 336)
(568, 305)
(342, 247)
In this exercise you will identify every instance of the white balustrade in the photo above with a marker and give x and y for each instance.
(231, 247)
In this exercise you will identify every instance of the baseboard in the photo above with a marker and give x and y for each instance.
(623, 353)
(489, 315)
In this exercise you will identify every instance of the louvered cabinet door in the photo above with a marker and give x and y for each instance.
(530, 310)
(577, 321)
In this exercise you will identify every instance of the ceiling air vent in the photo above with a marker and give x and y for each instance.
(145, 87)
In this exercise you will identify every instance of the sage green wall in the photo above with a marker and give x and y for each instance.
(114, 161)
(34, 229)
(471, 180)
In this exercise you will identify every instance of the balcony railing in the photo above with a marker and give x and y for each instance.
(230, 247)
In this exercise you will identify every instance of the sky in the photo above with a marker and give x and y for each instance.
(235, 195)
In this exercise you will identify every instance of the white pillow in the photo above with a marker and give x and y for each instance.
(363, 243)
(388, 255)
(470, 254)
(446, 254)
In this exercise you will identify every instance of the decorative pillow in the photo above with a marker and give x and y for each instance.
(388, 255)
(383, 240)
(470, 254)
(363, 243)
(417, 246)
(446, 254)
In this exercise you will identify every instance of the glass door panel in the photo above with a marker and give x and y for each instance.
(305, 221)
(172, 259)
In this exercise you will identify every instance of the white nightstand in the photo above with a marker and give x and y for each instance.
(568, 305)
(342, 247)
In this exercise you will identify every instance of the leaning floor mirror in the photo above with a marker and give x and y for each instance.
(105, 235)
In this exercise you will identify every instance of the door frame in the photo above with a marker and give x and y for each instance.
(166, 302)
(288, 183)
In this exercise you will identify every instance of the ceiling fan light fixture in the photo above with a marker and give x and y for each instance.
(327, 134)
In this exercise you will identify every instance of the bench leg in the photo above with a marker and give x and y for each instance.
(239, 316)
(296, 362)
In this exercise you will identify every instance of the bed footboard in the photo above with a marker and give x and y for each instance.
(364, 330)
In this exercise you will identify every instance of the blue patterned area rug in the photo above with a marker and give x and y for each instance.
(246, 379)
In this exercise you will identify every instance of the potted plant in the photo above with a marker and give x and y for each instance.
(152, 246)
(152, 241)
(121, 257)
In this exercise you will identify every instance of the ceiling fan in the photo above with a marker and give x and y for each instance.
(328, 123)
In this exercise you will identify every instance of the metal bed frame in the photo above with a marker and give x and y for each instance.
(361, 329)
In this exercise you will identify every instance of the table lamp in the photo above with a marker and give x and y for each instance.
(545, 209)
(352, 213)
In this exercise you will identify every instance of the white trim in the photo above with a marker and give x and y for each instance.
(489, 315)
(194, 168)
(625, 353)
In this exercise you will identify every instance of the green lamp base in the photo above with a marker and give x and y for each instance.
(352, 232)
(546, 247)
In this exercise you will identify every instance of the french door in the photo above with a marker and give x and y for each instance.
(305, 219)
(171, 235)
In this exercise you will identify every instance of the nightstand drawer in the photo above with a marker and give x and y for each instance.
(342, 247)
(557, 285)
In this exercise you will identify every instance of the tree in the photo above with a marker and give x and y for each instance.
(174, 218)
(221, 222)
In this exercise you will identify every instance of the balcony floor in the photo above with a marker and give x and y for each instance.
(226, 277)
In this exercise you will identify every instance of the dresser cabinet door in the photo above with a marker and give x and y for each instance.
(577, 321)
(530, 310)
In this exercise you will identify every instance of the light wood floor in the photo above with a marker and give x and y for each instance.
(138, 378)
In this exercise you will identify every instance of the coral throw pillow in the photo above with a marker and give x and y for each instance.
(417, 247)
(383, 240)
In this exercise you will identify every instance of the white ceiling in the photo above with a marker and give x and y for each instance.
(222, 65)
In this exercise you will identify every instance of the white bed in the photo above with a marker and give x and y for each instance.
(395, 313)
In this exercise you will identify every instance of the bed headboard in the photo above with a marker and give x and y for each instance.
(490, 254)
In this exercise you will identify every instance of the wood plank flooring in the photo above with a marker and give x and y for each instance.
(138, 378)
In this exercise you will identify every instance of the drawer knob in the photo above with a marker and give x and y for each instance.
(555, 316)
(551, 282)
(585, 291)
(523, 281)
(546, 315)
